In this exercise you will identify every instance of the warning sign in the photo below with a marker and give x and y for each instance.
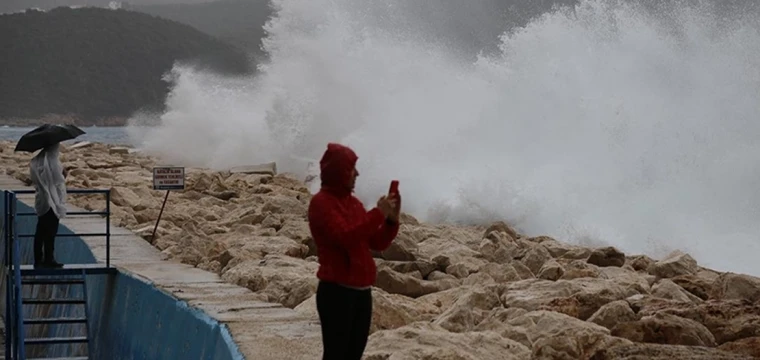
(169, 178)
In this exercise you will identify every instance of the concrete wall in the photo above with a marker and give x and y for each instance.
(129, 318)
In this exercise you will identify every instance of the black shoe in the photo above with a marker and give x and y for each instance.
(52, 264)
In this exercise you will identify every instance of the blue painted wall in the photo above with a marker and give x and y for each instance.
(129, 318)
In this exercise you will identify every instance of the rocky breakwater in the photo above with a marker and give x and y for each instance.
(443, 291)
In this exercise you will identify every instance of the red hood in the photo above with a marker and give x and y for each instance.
(336, 168)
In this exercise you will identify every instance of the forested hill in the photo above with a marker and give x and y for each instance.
(98, 63)
(237, 22)
(8, 6)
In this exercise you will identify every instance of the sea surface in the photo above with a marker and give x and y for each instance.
(109, 135)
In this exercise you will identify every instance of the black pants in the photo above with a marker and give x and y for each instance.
(44, 237)
(345, 315)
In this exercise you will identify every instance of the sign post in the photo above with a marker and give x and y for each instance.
(167, 178)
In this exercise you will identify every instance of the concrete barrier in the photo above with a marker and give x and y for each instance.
(129, 318)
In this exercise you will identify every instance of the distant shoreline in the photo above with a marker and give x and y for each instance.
(11, 126)
(17, 123)
(118, 135)
(78, 120)
(66, 119)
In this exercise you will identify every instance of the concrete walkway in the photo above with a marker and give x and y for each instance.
(263, 331)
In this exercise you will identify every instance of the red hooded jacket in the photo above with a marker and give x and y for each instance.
(343, 230)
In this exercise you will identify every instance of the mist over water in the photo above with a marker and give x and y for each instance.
(603, 123)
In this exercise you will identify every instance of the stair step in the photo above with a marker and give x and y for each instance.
(56, 340)
(52, 281)
(55, 321)
(68, 270)
(53, 301)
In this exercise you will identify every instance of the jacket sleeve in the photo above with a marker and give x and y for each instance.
(333, 228)
(383, 236)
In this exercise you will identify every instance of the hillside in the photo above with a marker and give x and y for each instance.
(240, 22)
(237, 22)
(8, 6)
(98, 63)
(467, 25)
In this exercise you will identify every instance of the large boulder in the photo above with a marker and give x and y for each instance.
(425, 341)
(404, 284)
(664, 352)
(607, 256)
(663, 328)
(674, 265)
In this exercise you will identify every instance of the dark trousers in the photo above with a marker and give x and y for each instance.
(44, 237)
(345, 315)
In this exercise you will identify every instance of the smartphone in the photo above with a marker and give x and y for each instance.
(394, 187)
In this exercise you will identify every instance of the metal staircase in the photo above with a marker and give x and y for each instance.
(42, 303)
(59, 282)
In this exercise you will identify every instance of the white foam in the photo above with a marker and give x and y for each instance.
(602, 124)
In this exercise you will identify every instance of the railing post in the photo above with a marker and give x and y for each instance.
(5, 228)
(19, 325)
(8, 330)
(7, 277)
(11, 279)
(108, 228)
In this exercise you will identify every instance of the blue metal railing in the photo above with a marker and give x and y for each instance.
(14, 325)
(14, 320)
(106, 213)
(6, 268)
(20, 349)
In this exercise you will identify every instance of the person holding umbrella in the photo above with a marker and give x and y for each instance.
(344, 234)
(49, 182)
(48, 177)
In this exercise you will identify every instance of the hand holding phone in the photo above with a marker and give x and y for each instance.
(396, 201)
(394, 188)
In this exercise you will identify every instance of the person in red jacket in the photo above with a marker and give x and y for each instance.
(345, 233)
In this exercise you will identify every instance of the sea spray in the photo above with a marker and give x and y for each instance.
(606, 122)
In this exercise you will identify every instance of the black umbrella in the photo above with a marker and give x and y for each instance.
(47, 135)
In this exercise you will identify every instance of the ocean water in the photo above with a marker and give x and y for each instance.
(606, 123)
(109, 135)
